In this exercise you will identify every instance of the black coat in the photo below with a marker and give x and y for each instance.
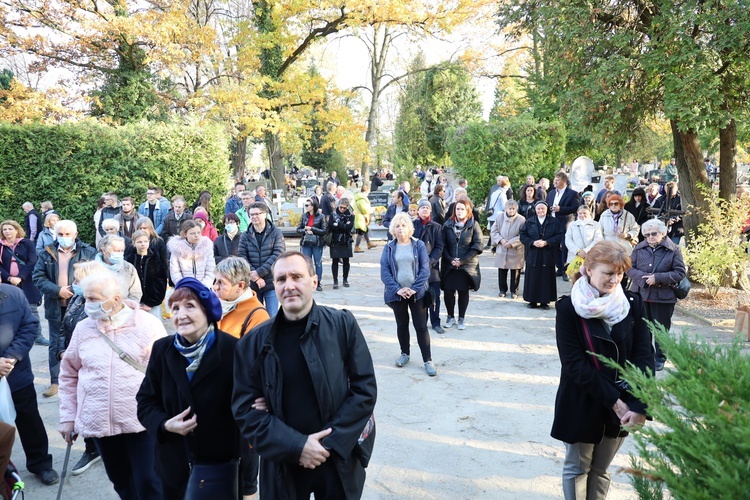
(438, 209)
(74, 314)
(552, 231)
(341, 225)
(166, 391)
(39, 224)
(343, 376)
(160, 249)
(466, 247)
(677, 228)
(262, 256)
(327, 204)
(569, 203)
(431, 235)
(26, 251)
(585, 397)
(153, 277)
(319, 227)
(224, 247)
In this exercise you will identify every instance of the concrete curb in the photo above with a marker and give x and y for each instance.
(695, 316)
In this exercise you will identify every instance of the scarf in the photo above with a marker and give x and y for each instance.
(424, 221)
(228, 306)
(194, 353)
(112, 267)
(588, 304)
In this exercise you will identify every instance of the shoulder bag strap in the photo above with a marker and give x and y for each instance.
(590, 343)
(247, 320)
(122, 354)
(20, 261)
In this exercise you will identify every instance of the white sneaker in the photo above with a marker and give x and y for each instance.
(450, 322)
(461, 325)
(430, 369)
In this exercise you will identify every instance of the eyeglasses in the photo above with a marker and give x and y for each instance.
(150, 192)
(614, 204)
(254, 214)
(650, 235)
(307, 205)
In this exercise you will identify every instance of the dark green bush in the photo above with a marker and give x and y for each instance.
(515, 147)
(72, 165)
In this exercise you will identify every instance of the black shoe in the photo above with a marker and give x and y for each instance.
(320, 288)
(335, 285)
(487, 246)
(48, 477)
(532, 305)
(346, 284)
(41, 341)
(659, 364)
(545, 307)
(438, 329)
(560, 273)
(565, 277)
(86, 461)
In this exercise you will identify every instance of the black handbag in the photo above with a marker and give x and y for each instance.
(310, 239)
(682, 288)
(213, 481)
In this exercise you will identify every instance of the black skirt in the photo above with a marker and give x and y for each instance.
(540, 284)
(457, 279)
(341, 251)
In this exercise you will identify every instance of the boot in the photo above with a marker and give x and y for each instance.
(370, 246)
(358, 250)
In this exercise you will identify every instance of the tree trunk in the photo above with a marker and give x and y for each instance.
(238, 153)
(381, 41)
(276, 159)
(727, 153)
(370, 135)
(692, 174)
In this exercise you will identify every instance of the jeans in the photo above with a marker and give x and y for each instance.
(401, 310)
(269, 300)
(585, 475)
(129, 462)
(435, 307)
(316, 254)
(35, 312)
(675, 239)
(54, 339)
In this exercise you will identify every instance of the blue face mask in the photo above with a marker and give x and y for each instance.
(65, 241)
(116, 257)
(77, 289)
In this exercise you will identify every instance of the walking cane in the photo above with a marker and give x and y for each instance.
(73, 437)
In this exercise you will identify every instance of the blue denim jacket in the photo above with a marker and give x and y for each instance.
(388, 270)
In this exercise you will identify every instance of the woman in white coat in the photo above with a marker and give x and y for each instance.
(582, 234)
(509, 254)
(191, 254)
(618, 224)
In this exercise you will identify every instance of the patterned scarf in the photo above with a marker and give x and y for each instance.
(194, 353)
(588, 304)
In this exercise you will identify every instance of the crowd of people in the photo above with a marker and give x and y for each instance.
(104, 306)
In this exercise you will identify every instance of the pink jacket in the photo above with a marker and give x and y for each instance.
(97, 389)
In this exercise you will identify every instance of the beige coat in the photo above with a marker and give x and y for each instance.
(626, 226)
(508, 229)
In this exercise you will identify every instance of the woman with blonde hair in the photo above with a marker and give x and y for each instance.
(594, 406)
(47, 236)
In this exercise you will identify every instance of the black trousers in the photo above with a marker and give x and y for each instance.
(335, 268)
(31, 430)
(660, 312)
(435, 307)
(322, 481)
(502, 280)
(129, 462)
(401, 310)
(450, 302)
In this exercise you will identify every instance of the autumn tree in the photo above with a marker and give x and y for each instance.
(609, 66)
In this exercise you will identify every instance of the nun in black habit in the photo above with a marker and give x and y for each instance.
(541, 234)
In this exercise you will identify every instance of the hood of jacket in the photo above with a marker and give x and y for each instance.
(183, 250)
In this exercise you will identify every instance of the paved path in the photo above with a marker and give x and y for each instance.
(480, 429)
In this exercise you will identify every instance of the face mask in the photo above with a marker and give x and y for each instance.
(231, 228)
(116, 257)
(65, 241)
(95, 310)
(77, 289)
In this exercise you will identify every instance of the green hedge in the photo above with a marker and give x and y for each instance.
(72, 165)
(515, 147)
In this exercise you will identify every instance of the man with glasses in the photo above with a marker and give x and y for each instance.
(110, 210)
(152, 209)
(234, 202)
(261, 245)
(246, 197)
(563, 203)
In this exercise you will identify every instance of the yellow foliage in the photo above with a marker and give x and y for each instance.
(22, 104)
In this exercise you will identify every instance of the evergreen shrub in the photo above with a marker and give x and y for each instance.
(73, 164)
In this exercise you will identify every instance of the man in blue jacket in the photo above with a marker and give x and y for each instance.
(18, 329)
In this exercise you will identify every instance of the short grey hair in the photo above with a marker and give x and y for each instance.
(108, 283)
(111, 223)
(235, 269)
(107, 241)
(27, 204)
(401, 217)
(511, 203)
(654, 224)
(66, 223)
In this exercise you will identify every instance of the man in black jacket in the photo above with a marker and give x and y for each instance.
(19, 327)
(261, 245)
(431, 234)
(563, 204)
(307, 430)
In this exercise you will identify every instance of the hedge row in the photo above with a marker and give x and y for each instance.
(514, 147)
(72, 165)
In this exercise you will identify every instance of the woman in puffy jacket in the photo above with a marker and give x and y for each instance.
(657, 265)
(192, 254)
(459, 268)
(100, 374)
(313, 228)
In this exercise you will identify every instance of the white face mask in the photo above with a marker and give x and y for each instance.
(231, 228)
(95, 310)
